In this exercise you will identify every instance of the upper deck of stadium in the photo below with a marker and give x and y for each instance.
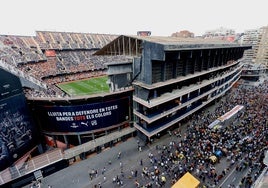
(131, 44)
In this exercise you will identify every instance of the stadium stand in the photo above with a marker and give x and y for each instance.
(54, 57)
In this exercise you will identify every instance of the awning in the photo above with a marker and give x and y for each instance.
(187, 181)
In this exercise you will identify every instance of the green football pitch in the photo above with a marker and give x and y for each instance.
(86, 87)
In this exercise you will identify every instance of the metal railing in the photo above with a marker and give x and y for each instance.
(55, 155)
(16, 171)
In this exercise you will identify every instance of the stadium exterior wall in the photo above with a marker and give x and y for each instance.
(175, 83)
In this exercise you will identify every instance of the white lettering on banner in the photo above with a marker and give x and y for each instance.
(103, 114)
(64, 118)
(84, 115)
(54, 113)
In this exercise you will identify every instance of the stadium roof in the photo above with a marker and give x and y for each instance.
(178, 40)
(132, 44)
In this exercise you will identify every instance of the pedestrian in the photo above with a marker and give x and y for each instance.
(137, 184)
(103, 170)
(141, 162)
(136, 173)
(96, 173)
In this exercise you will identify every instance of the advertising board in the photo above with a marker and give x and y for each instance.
(84, 117)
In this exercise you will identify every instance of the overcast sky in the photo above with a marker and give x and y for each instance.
(161, 17)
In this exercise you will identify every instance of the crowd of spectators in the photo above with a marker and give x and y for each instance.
(67, 69)
(19, 49)
(24, 49)
(69, 40)
(241, 143)
(73, 57)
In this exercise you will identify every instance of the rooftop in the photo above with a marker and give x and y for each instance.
(177, 42)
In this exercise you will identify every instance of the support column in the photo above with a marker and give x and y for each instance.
(66, 140)
(79, 139)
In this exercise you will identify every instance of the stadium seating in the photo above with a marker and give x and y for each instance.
(72, 57)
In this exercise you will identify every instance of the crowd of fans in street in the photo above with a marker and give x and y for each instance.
(241, 143)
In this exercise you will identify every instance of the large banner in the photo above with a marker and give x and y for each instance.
(17, 133)
(231, 113)
(82, 118)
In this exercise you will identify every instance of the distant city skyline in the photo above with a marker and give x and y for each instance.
(127, 17)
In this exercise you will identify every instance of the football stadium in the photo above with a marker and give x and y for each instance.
(85, 87)
(66, 95)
